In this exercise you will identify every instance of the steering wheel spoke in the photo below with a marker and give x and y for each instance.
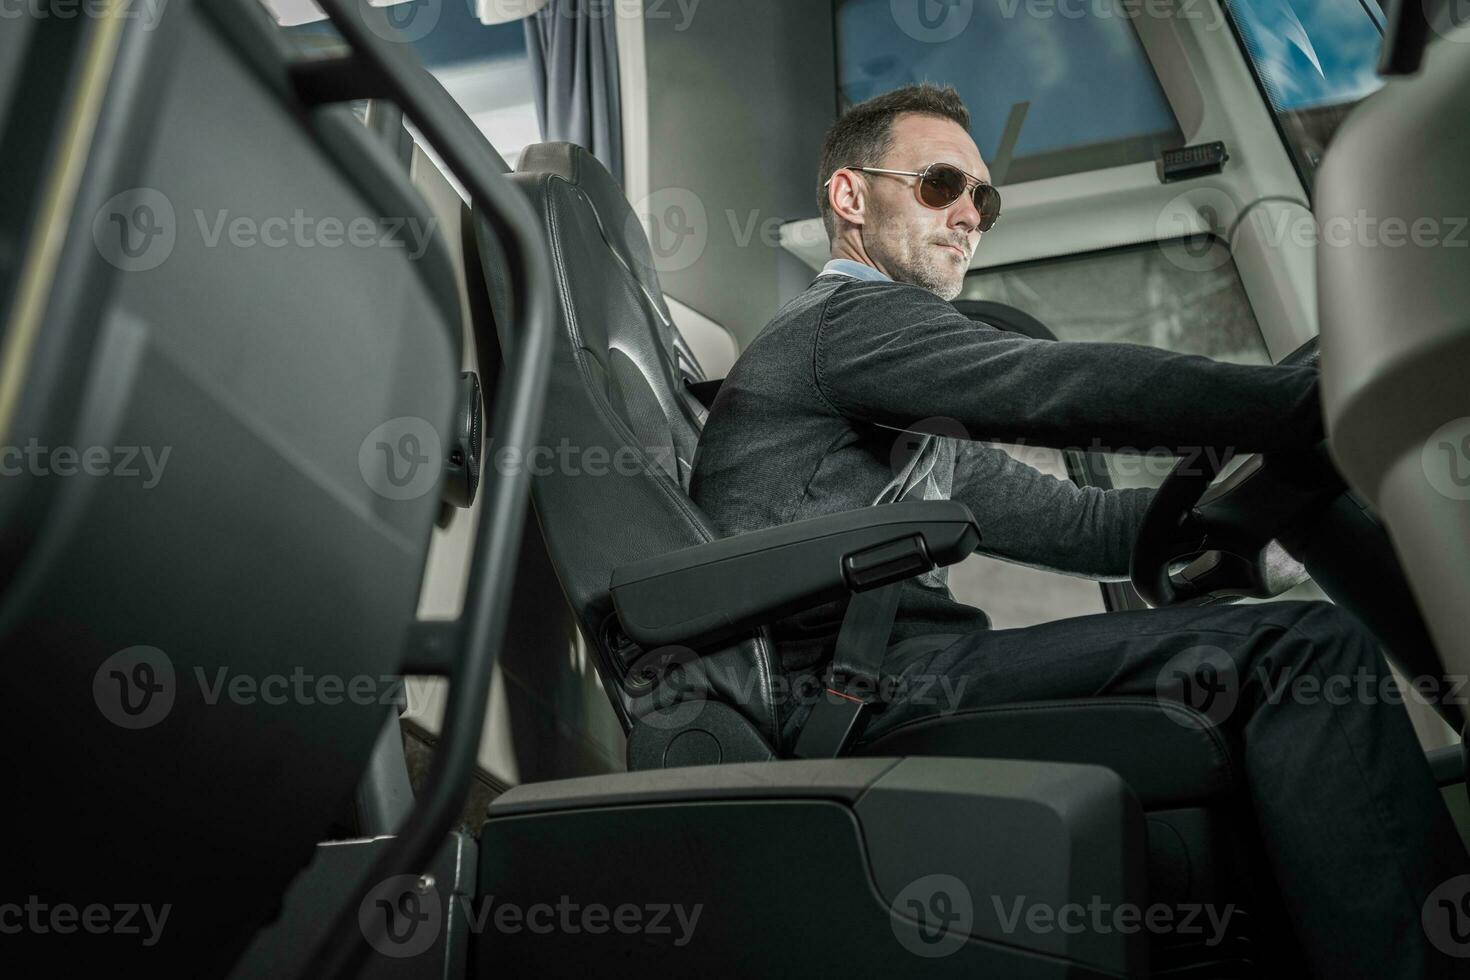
(1204, 541)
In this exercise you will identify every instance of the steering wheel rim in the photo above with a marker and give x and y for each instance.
(1226, 531)
(1174, 529)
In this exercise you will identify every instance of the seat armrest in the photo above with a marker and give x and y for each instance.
(713, 591)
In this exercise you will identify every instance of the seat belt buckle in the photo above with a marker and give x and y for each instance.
(837, 720)
(856, 686)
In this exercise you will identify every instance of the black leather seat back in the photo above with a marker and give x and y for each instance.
(610, 482)
(207, 623)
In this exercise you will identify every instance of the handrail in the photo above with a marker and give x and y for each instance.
(378, 67)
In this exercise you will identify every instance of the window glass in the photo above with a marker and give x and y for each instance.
(1182, 296)
(1315, 60)
(1032, 79)
(484, 67)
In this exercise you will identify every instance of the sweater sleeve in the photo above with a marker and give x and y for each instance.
(1036, 519)
(893, 354)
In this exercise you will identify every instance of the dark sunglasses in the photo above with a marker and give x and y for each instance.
(941, 184)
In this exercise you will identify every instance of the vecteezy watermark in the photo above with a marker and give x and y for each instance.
(404, 915)
(297, 687)
(932, 21)
(921, 689)
(1101, 917)
(123, 462)
(566, 459)
(569, 918)
(1195, 10)
(135, 229)
(406, 21)
(1203, 677)
(402, 459)
(138, 229)
(1208, 680)
(149, 12)
(1361, 229)
(1191, 226)
(679, 229)
(398, 458)
(912, 453)
(1450, 20)
(137, 687)
(1445, 458)
(677, 679)
(1360, 687)
(1160, 461)
(676, 224)
(1446, 917)
(302, 230)
(933, 916)
(40, 918)
(1186, 228)
(912, 456)
(504, 11)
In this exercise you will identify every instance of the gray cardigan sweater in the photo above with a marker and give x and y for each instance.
(861, 392)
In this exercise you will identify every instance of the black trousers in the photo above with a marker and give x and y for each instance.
(1353, 825)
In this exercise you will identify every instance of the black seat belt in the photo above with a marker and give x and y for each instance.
(851, 693)
(704, 391)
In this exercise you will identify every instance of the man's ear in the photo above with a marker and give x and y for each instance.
(848, 196)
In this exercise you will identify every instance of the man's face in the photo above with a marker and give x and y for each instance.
(910, 242)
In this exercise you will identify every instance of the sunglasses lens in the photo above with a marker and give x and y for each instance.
(987, 202)
(941, 186)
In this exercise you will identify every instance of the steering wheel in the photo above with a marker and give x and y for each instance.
(1202, 543)
(1257, 530)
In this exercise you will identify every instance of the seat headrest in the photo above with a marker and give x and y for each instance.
(621, 227)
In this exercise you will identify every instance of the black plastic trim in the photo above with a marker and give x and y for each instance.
(515, 421)
(714, 591)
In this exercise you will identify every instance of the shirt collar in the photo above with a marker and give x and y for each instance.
(854, 270)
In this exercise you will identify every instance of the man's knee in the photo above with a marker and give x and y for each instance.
(1325, 621)
(1326, 642)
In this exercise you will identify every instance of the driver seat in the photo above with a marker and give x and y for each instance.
(621, 384)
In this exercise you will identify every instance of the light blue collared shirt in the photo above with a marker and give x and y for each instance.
(855, 270)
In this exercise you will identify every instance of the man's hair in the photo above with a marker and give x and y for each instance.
(864, 134)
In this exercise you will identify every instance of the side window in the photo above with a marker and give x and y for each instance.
(1031, 85)
(1315, 60)
(483, 66)
(1182, 296)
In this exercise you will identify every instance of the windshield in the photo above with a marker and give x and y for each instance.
(1315, 60)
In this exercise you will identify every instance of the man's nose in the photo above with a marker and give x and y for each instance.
(964, 215)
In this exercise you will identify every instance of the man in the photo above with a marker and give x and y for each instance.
(813, 420)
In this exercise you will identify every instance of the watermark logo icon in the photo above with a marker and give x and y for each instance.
(410, 21)
(676, 224)
(401, 459)
(913, 440)
(933, 915)
(135, 230)
(135, 687)
(679, 686)
(1450, 20)
(1445, 458)
(402, 916)
(1206, 679)
(1187, 226)
(1446, 917)
(932, 21)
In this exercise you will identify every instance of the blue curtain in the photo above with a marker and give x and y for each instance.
(573, 50)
